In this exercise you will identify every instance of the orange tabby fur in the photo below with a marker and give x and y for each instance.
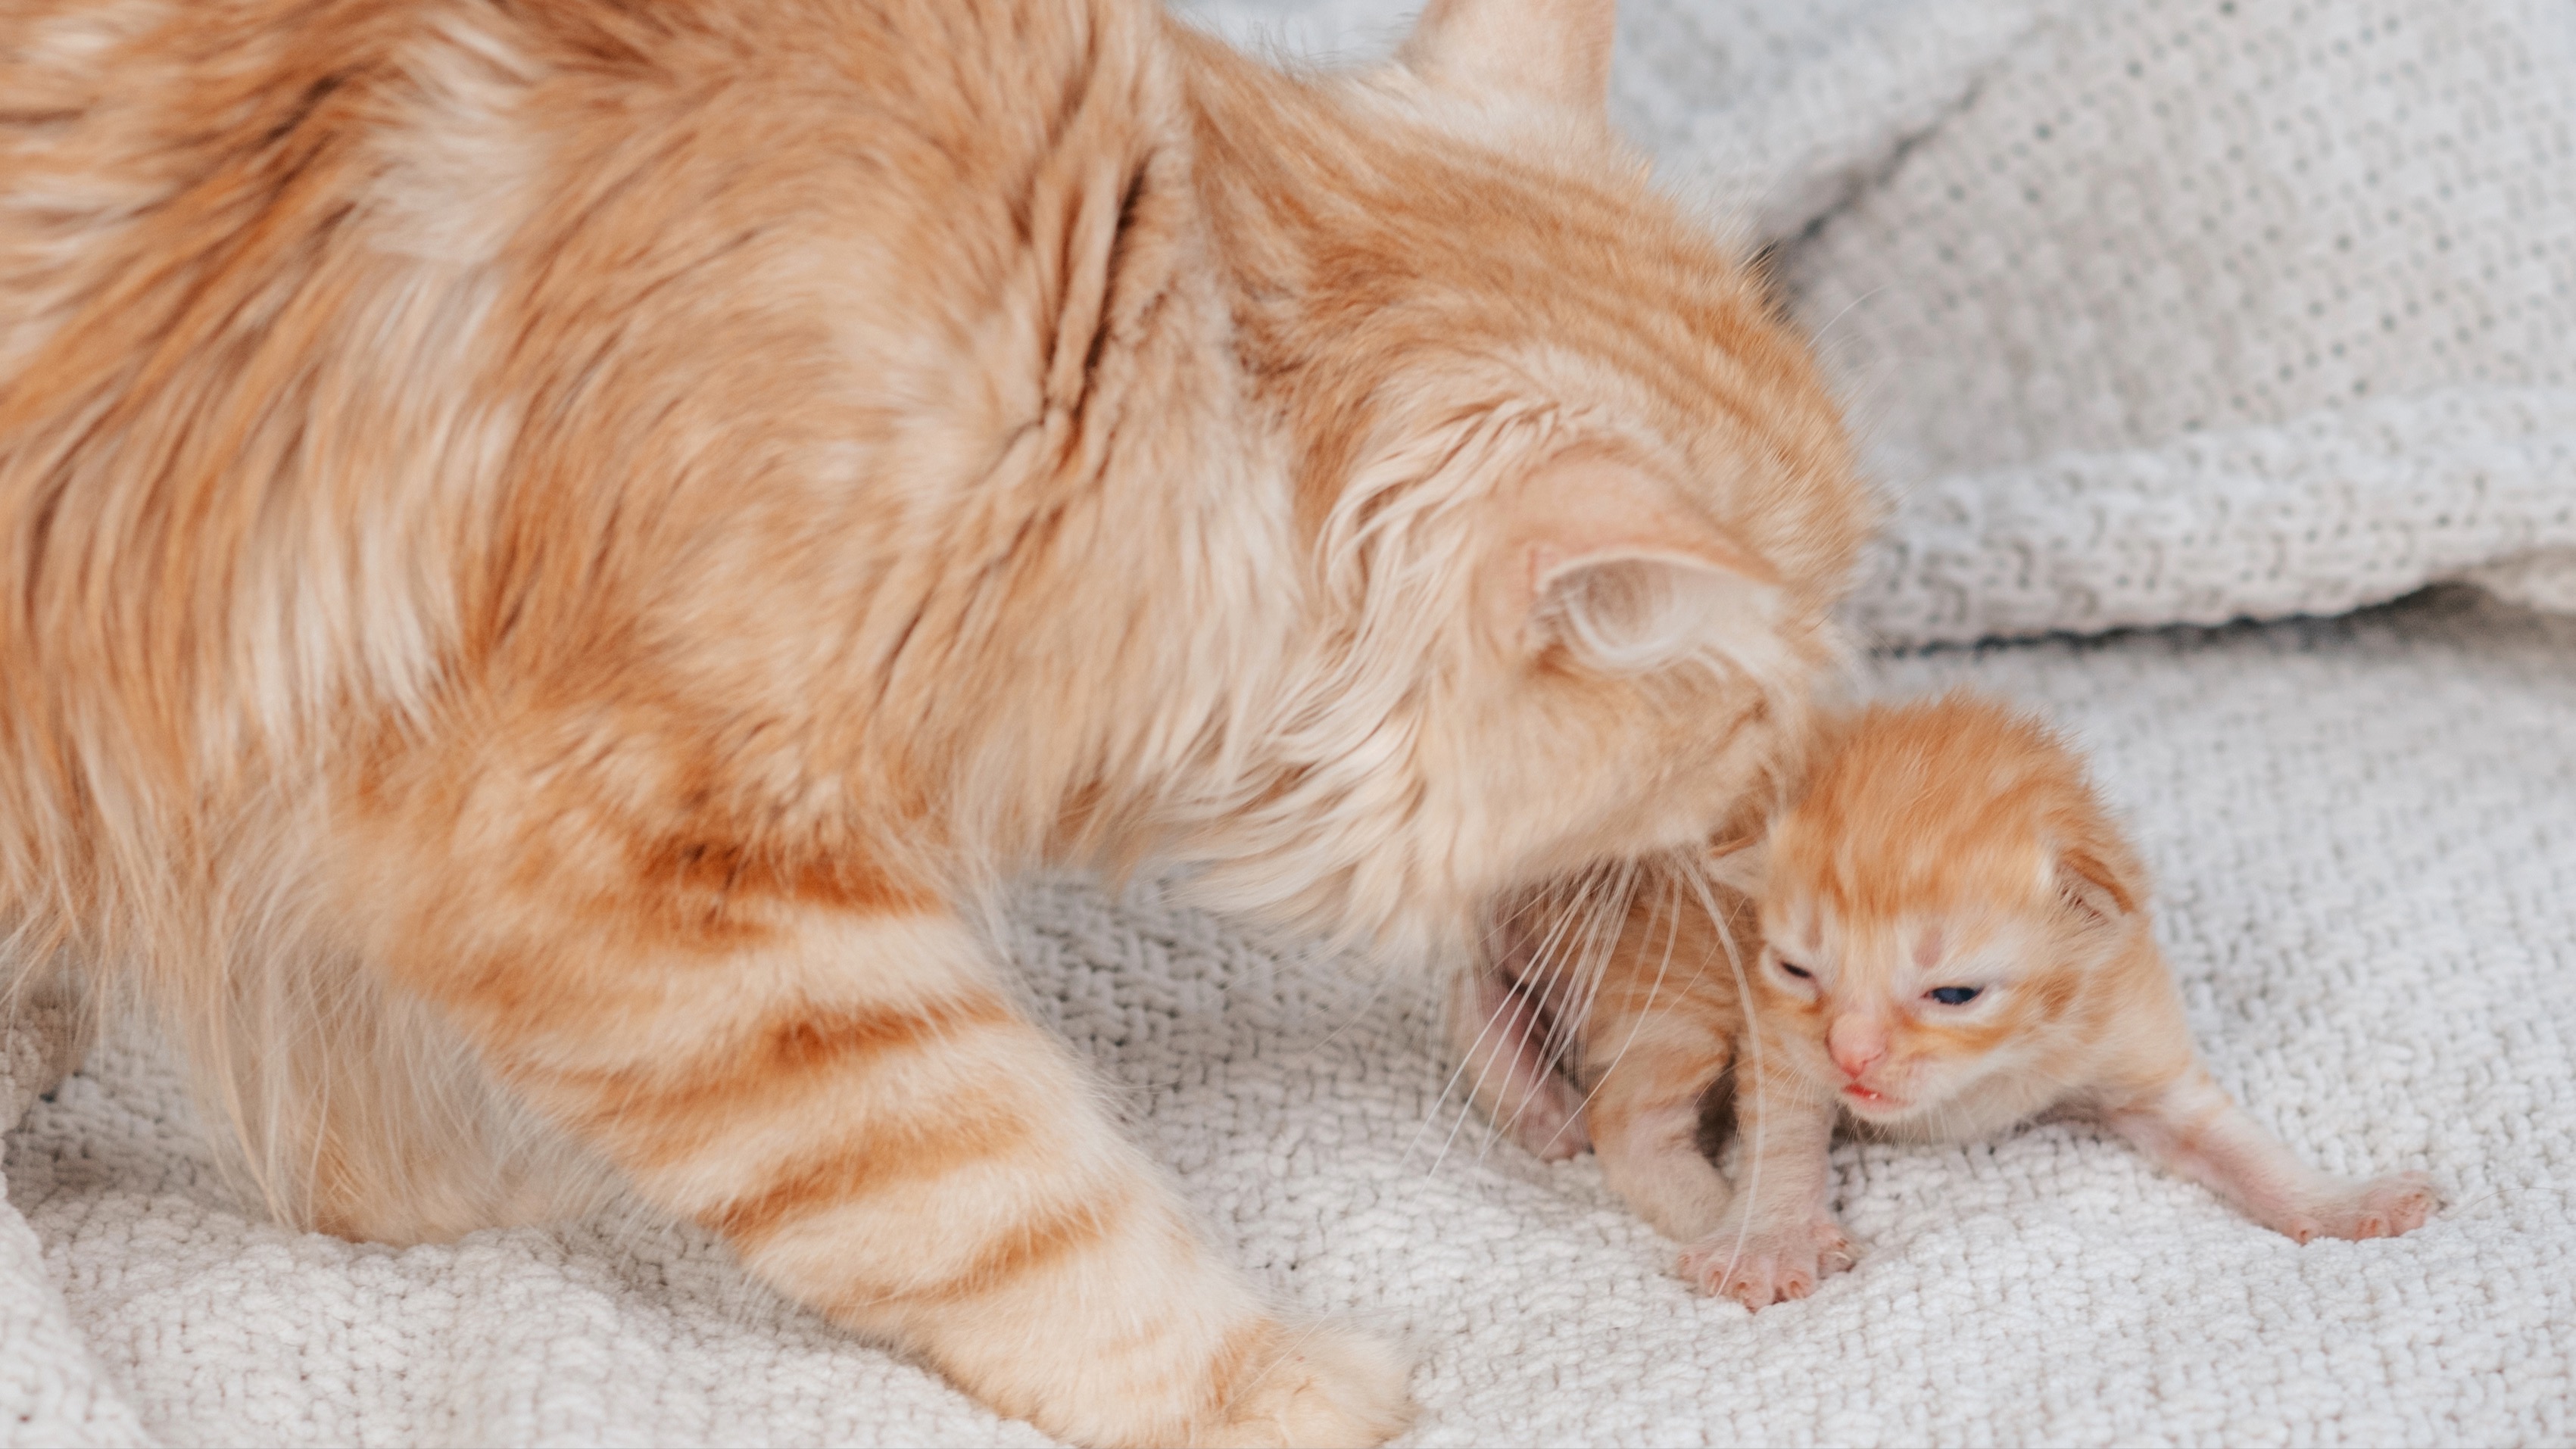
(558, 552)
(1944, 846)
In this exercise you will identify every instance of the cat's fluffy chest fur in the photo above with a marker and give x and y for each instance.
(556, 552)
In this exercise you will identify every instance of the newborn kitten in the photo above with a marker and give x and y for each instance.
(1952, 937)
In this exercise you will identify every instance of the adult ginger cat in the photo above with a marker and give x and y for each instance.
(1939, 934)
(557, 552)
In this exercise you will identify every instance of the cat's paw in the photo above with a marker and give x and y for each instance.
(1321, 1385)
(2380, 1208)
(1767, 1263)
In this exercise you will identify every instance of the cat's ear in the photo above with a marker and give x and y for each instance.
(2091, 885)
(1615, 566)
(1549, 50)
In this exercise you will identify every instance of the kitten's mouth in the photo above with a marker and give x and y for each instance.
(1860, 1096)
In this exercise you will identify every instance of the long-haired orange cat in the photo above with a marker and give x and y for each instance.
(555, 553)
(1943, 934)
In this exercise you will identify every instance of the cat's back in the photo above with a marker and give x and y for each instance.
(356, 318)
(366, 359)
(147, 147)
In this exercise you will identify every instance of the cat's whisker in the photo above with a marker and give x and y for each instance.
(1663, 965)
(1558, 978)
(1753, 1151)
(1846, 310)
(1609, 915)
(1511, 996)
(1369, 997)
(1493, 1023)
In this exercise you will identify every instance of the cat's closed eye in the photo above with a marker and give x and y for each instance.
(1954, 995)
(1800, 972)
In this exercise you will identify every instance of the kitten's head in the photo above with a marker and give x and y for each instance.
(1939, 909)
(1577, 497)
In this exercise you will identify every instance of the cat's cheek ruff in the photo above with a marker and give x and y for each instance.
(1434, 761)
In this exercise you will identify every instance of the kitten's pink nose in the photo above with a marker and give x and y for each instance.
(1856, 1042)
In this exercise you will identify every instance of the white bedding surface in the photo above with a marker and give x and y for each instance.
(2282, 320)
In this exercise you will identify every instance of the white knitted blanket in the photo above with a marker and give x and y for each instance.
(2156, 312)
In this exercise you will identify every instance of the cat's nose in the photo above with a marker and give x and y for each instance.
(1856, 1042)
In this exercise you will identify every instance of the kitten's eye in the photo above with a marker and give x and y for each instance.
(1954, 995)
(1798, 971)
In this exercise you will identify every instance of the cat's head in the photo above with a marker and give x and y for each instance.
(1576, 498)
(1939, 910)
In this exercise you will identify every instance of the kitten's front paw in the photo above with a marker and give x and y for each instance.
(2380, 1208)
(1322, 1385)
(1767, 1263)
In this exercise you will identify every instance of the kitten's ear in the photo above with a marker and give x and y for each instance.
(1550, 50)
(2089, 884)
(1616, 566)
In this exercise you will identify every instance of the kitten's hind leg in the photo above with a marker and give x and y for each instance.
(2192, 1127)
(1502, 1042)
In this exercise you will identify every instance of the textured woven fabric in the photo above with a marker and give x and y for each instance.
(2205, 310)
(2110, 372)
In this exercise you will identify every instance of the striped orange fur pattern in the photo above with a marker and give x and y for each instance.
(558, 552)
(1941, 933)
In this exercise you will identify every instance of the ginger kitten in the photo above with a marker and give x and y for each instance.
(1943, 935)
(556, 553)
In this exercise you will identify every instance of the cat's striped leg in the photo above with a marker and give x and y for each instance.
(852, 1100)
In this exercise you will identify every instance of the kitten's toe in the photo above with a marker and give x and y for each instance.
(1835, 1254)
(1763, 1266)
(1319, 1385)
(2388, 1206)
(1753, 1279)
(2383, 1207)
